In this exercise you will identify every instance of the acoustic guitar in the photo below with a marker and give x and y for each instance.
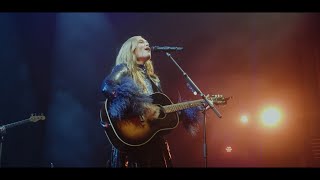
(136, 131)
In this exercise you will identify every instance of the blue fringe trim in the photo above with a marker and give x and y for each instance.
(191, 119)
(127, 95)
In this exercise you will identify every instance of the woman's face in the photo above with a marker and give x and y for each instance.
(142, 51)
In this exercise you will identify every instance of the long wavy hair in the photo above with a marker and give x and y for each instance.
(126, 56)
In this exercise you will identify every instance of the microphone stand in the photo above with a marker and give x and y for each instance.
(210, 105)
(2, 132)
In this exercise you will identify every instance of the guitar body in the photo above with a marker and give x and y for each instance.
(134, 131)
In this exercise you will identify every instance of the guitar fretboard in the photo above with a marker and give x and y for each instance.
(184, 105)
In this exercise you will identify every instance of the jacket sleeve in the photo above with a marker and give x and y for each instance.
(191, 118)
(112, 81)
(123, 94)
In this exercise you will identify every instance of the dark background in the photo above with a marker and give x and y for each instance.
(54, 63)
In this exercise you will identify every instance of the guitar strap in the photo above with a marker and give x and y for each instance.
(154, 86)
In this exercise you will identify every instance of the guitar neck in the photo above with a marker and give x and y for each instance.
(16, 123)
(181, 106)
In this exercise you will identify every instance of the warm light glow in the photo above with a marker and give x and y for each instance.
(244, 119)
(271, 116)
(228, 149)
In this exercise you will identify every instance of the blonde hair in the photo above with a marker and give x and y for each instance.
(126, 56)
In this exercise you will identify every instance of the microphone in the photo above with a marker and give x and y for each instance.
(166, 48)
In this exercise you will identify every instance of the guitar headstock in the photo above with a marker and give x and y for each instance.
(35, 117)
(219, 99)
